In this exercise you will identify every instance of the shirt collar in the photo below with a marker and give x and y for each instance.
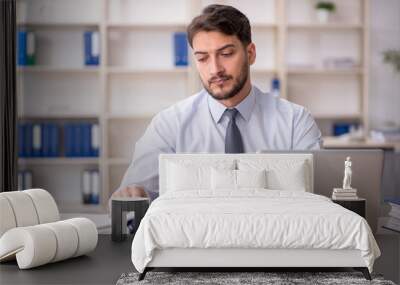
(245, 107)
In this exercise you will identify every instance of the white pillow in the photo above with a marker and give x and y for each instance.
(183, 178)
(186, 174)
(236, 179)
(251, 178)
(223, 179)
(281, 174)
(293, 178)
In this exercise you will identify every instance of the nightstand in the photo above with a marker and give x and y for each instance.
(358, 206)
(119, 207)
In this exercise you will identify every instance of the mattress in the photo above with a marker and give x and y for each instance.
(251, 219)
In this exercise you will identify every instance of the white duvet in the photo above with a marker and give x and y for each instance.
(252, 218)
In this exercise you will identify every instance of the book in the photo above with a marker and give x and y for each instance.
(180, 49)
(335, 197)
(394, 212)
(20, 180)
(54, 140)
(45, 140)
(86, 186)
(28, 179)
(36, 140)
(30, 49)
(345, 194)
(86, 139)
(68, 140)
(94, 140)
(92, 47)
(95, 179)
(21, 149)
(392, 200)
(392, 224)
(21, 47)
(341, 190)
(28, 135)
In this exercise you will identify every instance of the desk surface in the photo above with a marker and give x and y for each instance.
(102, 266)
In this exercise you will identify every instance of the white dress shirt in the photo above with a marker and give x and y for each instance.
(198, 124)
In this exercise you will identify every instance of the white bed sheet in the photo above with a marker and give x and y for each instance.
(251, 218)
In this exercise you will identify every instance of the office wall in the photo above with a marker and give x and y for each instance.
(384, 102)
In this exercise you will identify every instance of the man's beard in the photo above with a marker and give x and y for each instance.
(239, 83)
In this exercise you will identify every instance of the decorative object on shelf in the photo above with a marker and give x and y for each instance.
(346, 192)
(32, 233)
(324, 10)
(392, 57)
(347, 174)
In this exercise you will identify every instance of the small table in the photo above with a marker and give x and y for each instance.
(358, 205)
(119, 207)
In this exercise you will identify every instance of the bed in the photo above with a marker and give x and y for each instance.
(246, 211)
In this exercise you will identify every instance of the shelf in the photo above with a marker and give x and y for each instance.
(59, 25)
(338, 116)
(339, 142)
(59, 117)
(329, 26)
(127, 70)
(58, 160)
(118, 161)
(61, 70)
(319, 71)
(129, 116)
(147, 25)
(69, 207)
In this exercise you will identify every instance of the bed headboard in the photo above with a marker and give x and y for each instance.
(164, 159)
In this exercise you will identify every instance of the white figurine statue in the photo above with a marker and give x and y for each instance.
(347, 174)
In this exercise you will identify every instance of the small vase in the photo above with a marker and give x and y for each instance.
(323, 16)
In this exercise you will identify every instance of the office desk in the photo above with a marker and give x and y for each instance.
(102, 266)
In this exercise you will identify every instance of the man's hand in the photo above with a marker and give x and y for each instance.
(129, 191)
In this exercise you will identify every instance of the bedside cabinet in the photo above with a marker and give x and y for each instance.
(119, 208)
(358, 206)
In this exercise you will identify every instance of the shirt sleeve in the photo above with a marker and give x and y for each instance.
(306, 134)
(143, 170)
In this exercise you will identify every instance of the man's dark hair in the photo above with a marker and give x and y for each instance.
(221, 18)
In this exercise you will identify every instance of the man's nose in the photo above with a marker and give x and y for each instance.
(215, 67)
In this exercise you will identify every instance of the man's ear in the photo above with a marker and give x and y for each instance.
(251, 53)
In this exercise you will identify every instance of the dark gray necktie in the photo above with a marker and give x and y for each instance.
(233, 139)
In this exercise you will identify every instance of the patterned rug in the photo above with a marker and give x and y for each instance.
(230, 278)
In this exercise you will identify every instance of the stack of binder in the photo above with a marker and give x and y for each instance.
(38, 140)
(81, 140)
(393, 221)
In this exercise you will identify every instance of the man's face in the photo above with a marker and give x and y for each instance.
(222, 62)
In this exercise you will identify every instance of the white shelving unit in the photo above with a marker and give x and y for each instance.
(137, 78)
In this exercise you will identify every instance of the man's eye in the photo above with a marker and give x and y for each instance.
(202, 59)
(227, 54)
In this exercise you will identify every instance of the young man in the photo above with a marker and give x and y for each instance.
(228, 115)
